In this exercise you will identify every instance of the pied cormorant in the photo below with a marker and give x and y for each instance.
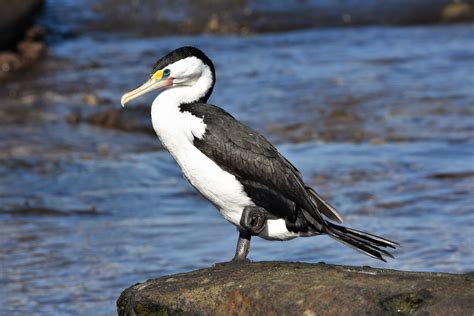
(252, 185)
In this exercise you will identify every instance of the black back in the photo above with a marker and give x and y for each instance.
(268, 178)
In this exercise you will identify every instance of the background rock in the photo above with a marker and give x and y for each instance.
(15, 18)
(284, 288)
(20, 41)
(252, 16)
(134, 119)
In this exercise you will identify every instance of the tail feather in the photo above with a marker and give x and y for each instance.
(365, 243)
(323, 206)
(374, 239)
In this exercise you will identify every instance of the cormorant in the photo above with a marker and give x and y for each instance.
(252, 185)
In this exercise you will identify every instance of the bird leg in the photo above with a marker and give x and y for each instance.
(253, 221)
(243, 246)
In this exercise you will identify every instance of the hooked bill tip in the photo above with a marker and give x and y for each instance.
(123, 100)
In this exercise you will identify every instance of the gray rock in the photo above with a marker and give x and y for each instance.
(285, 288)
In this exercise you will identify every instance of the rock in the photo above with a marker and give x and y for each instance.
(16, 17)
(458, 12)
(134, 119)
(20, 42)
(35, 33)
(253, 16)
(26, 54)
(91, 99)
(30, 51)
(285, 288)
(9, 62)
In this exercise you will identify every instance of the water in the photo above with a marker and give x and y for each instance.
(379, 120)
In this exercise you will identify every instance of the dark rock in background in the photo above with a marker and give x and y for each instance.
(458, 11)
(16, 17)
(284, 288)
(134, 119)
(240, 16)
(20, 41)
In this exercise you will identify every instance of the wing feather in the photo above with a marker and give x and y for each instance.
(243, 152)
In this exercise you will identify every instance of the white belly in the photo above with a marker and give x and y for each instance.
(217, 185)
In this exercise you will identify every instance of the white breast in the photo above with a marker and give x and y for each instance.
(217, 185)
(176, 131)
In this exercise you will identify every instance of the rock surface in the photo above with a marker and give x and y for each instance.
(284, 288)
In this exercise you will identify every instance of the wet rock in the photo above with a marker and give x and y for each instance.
(284, 288)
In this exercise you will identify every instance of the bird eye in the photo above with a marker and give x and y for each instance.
(166, 73)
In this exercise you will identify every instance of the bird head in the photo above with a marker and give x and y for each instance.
(183, 67)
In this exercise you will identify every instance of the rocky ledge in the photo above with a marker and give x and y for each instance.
(284, 288)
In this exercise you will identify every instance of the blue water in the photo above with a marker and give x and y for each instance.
(379, 120)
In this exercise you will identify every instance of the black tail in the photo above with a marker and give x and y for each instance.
(365, 243)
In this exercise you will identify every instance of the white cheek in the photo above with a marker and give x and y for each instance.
(186, 68)
(186, 81)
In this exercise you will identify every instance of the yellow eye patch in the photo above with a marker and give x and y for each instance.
(161, 74)
(158, 75)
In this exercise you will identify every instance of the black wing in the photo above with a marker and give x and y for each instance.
(268, 178)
